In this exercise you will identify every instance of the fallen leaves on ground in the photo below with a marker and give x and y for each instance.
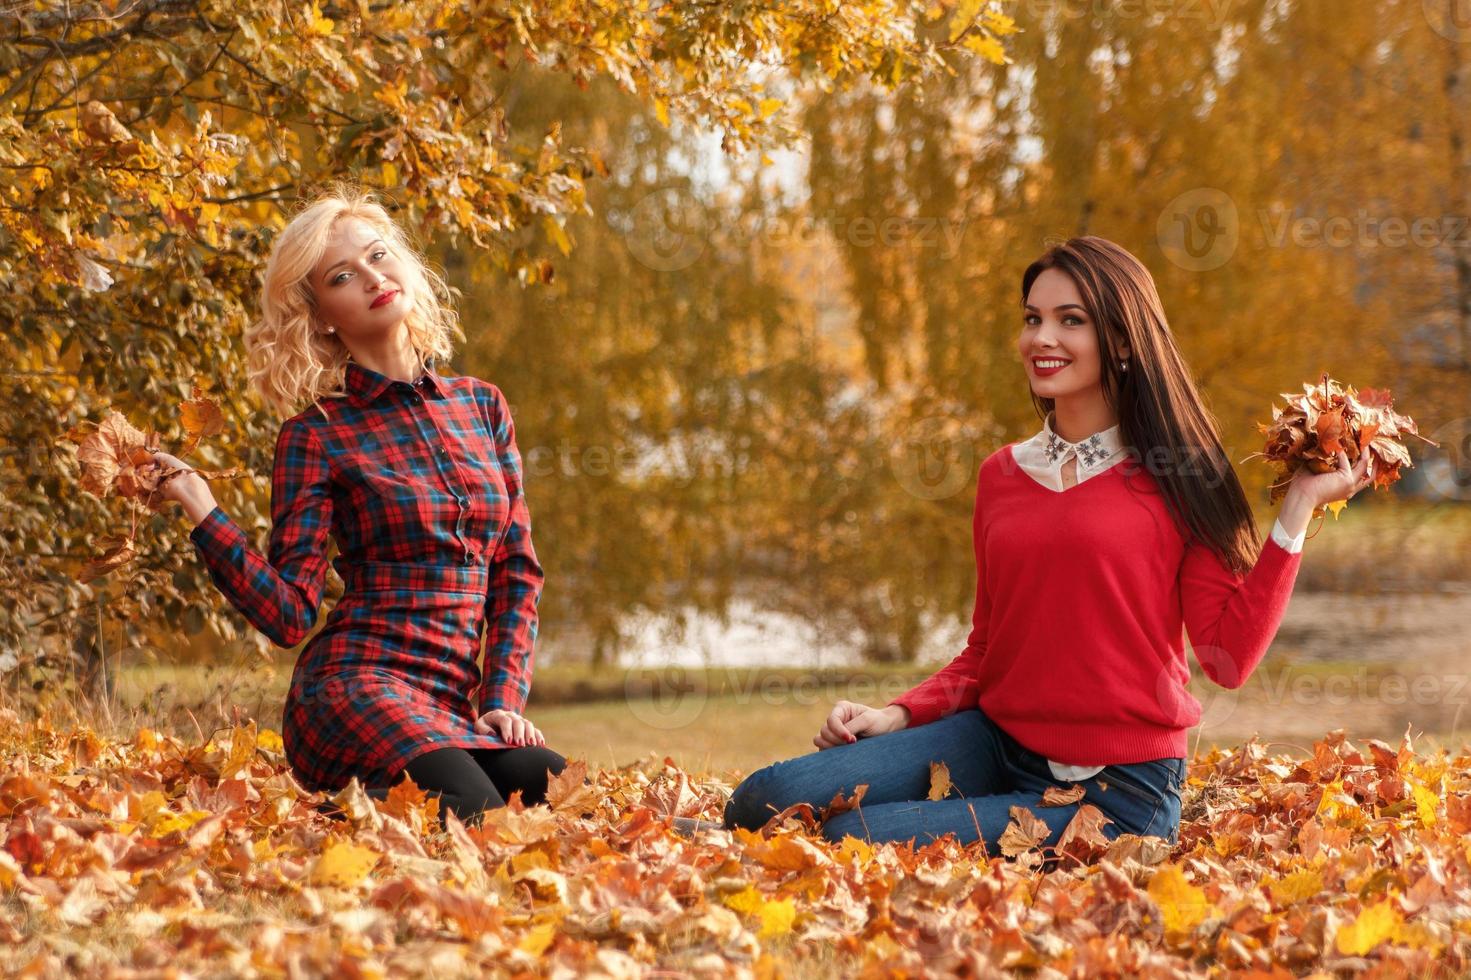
(155, 854)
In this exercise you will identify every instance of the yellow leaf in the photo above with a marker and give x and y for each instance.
(1425, 803)
(1296, 887)
(746, 900)
(10, 870)
(776, 916)
(853, 849)
(269, 741)
(242, 750)
(661, 111)
(768, 106)
(999, 23)
(557, 234)
(343, 865)
(145, 806)
(538, 939)
(1183, 905)
(528, 859)
(1338, 807)
(316, 23)
(1373, 926)
(167, 823)
(966, 12)
(1335, 507)
(987, 47)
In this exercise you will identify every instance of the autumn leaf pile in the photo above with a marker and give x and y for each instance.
(157, 855)
(1328, 418)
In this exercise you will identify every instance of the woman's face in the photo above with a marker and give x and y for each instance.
(1058, 341)
(361, 288)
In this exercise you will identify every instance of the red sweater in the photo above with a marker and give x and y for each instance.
(1076, 647)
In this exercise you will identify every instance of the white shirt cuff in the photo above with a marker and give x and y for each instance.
(1291, 545)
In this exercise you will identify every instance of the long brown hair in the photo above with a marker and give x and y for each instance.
(1162, 419)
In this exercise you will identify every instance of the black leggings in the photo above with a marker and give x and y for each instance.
(470, 781)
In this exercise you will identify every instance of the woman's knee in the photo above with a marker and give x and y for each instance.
(743, 809)
(756, 800)
(846, 824)
(452, 775)
(528, 768)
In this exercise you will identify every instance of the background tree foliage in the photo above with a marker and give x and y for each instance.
(867, 301)
(734, 379)
(149, 151)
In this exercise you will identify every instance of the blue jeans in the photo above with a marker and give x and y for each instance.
(990, 773)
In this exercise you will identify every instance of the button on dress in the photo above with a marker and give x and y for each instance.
(420, 486)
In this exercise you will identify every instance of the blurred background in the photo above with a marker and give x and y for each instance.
(752, 379)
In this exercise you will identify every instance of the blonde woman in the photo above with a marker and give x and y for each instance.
(416, 476)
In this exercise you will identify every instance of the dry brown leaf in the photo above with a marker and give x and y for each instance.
(201, 418)
(105, 452)
(99, 123)
(1083, 837)
(1059, 796)
(939, 781)
(842, 804)
(116, 556)
(1327, 418)
(572, 790)
(1025, 832)
(117, 458)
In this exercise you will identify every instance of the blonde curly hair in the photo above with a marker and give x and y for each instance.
(288, 361)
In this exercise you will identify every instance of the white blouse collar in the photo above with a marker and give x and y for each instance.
(1048, 450)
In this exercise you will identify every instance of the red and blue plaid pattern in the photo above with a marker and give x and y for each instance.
(421, 487)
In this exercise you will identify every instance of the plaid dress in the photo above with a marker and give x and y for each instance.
(420, 486)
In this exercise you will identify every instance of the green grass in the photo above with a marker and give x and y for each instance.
(721, 735)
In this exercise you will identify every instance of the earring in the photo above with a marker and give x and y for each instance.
(331, 329)
(1123, 365)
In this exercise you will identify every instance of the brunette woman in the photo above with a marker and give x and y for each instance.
(416, 475)
(1115, 527)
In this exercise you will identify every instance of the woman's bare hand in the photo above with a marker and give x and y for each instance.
(187, 486)
(510, 727)
(849, 721)
(1341, 483)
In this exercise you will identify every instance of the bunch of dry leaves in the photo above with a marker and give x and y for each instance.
(117, 458)
(1328, 418)
(150, 855)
